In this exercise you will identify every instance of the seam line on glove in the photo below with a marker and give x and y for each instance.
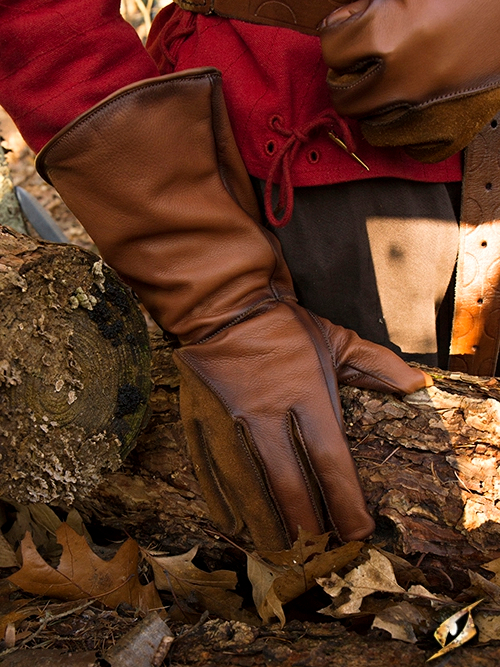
(292, 417)
(244, 316)
(214, 476)
(260, 474)
(365, 76)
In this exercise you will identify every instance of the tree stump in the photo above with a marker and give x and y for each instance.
(74, 370)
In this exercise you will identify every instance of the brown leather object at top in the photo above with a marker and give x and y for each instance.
(422, 74)
(154, 175)
(298, 15)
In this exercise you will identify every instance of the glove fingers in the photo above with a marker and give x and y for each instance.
(272, 423)
(341, 48)
(345, 12)
(270, 498)
(287, 473)
(366, 365)
(373, 367)
(325, 446)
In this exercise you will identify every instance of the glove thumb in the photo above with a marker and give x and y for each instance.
(361, 363)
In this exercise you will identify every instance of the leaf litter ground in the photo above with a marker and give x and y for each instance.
(311, 605)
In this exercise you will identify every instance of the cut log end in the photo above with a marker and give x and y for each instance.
(74, 370)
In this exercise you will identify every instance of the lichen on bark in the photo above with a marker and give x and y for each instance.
(74, 382)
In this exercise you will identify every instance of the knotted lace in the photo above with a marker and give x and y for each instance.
(281, 166)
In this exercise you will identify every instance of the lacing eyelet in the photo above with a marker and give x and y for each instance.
(276, 119)
(313, 157)
(270, 147)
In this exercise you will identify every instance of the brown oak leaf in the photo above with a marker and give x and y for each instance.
(82, 574)
(212, 590)
(279, 577)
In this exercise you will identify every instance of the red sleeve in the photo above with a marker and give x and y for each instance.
(60, 57)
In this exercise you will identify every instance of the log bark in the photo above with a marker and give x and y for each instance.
(231, 644)
(74, 370)
(428, 463)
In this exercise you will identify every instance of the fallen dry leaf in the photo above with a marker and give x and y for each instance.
(42, 525)
(375, 575)
(279, 577)
(481, 587)
(400, 620)
(404, 614)
(81, 574)
(7, 554)
(403, 570)
(15, 611)
(494, 566)
(212, 590)
(422, 594)
(488, 626)
(42, 522)
(45, 517)
(263, 577)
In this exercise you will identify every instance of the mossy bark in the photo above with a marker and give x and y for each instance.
(10, 211)
(74, 370)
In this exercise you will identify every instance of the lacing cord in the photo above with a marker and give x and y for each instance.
(281, 166)
(181, 26)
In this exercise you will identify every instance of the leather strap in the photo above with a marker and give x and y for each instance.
(475, 339)
(296, 14)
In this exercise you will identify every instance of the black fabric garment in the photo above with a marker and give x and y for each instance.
(352, 247)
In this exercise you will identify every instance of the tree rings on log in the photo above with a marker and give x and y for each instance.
(74, 370)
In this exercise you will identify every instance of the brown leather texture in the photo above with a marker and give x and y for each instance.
(154, 175)
(185, 202)
(420, 74)
(476, 326)
(296, 14)
(433, 132)
(260, 408)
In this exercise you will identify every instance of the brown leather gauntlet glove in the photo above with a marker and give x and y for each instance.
(154, 175)
(421, 74)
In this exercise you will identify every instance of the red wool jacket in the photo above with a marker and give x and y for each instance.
(60, 57)
(275, 87)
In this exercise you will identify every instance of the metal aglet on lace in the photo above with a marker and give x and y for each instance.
(342, 145)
